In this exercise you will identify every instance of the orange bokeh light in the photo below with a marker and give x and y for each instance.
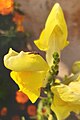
(3, 111)
(18, 19)
(32, 110)
(21, 97)
(6, 6)
(16, 117)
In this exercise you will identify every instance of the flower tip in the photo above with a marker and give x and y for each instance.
(56, 5)
(67, 43)
(10, 50)
(35, 41)
(8, 56)
(40, 45)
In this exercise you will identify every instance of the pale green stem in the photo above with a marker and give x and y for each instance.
(71, 78)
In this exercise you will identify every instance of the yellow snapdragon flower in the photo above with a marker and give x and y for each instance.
(28, 71)
(66, 99)
(53, 38)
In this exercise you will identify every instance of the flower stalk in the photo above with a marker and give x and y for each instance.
(44, 111)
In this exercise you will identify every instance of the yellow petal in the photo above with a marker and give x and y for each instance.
(66, 99)
(41, 41)
(62, 109)
(32, 96)
(29, 82)
(56, 43)
(69, 93)
(24, 61)
(55, 23)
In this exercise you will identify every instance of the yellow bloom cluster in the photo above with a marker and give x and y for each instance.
(29, 69)
(66, 99)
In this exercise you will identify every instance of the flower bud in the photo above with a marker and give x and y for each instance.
(76, 67)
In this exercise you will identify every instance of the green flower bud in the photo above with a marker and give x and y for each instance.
(76, 67)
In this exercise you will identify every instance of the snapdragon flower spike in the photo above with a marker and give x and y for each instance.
(28, 71)
(53, 38)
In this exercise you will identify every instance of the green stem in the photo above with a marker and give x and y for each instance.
(71, 78)
(44, 111)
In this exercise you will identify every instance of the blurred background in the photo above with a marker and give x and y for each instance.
(19, 26)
